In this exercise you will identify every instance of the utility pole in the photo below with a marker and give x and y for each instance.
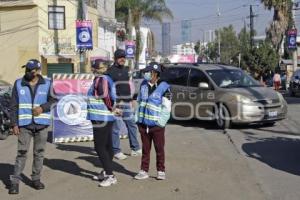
(219, 35)
(251, 27)
(295, 52)
(81, 16)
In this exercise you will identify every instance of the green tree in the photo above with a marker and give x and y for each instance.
(134, 11)
(281, 20)
(229, 45)
(260, 58)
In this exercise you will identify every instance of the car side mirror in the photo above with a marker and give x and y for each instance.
(203, 85)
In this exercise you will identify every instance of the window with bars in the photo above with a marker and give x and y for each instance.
(56, 17)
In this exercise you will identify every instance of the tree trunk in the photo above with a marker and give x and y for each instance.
(137, 45)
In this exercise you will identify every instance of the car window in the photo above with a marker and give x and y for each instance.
(196, 77)
(232, 78)
(137, 75)
(176, 76)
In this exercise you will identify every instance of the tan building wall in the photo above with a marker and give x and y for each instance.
(24, 34)
(18, 33)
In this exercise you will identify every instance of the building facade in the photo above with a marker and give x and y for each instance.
(184, 49)
(166, 39)
(43, 30)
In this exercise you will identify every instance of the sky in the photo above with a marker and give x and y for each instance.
(204, 17)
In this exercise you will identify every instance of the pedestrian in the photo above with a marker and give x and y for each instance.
(30, 117)
(124, 101)
(101, 99)
(154, 108)
(277, 81)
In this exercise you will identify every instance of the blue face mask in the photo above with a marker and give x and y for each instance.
(147, 76)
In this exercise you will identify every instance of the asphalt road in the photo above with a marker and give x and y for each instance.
(247, 163)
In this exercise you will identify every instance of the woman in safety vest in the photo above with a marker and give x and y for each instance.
(101, 99)
(154, 107)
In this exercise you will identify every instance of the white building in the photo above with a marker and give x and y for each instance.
(184, 49)
(145, 34)
(106, 29)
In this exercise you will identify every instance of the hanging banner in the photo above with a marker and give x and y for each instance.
(70, 124)
(292, 39)
(130, 49)
(84, 35)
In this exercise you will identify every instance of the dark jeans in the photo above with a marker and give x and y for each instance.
(39, 145)
(103, 144)
(157, 135)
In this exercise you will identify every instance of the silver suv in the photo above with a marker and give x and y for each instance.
(223, 93)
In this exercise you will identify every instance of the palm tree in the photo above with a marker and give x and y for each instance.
(133, 11)
(281, 20)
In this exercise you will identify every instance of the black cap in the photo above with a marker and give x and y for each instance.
(120, 53)
(153, 66)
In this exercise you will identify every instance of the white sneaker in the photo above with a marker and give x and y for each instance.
(108, 181)
(120, 156)
(161, 175)
(141, 175)
(136, 153)
(100, 177)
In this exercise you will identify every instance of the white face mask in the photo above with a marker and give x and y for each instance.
(147, 76)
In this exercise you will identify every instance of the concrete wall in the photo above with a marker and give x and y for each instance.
(18, 39)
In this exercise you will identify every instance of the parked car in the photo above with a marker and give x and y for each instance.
(225, 94)
(137, 78)
(294, 88)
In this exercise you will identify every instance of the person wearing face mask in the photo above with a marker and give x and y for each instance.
(30, 117)
(154, 108)
(101, 111)
(120, 75)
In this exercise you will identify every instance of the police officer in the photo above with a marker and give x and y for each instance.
(154, 107)
(30, 115)
(101, 100)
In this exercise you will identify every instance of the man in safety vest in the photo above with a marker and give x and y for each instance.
(154, 108)
(30, 116)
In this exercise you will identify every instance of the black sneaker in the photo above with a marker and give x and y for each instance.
(14, 189)
(38, 185)
(100, 177)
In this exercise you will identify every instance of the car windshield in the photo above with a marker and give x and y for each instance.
(232, 78)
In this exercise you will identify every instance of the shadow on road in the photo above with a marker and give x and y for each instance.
(279, 153)
(68, 167)
(209, 125)
(8, 169)
(5, 171)
(73, 168)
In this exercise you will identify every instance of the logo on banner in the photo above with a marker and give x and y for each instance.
(72, 110)
(84, 36)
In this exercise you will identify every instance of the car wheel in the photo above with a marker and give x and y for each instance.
(223, 117)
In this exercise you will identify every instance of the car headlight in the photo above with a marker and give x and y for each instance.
(243, 99)
(281, 99)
